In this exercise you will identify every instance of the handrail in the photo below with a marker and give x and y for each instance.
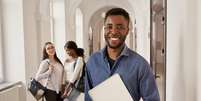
(10, 85)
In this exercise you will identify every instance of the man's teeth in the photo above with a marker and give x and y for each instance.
(114, 38)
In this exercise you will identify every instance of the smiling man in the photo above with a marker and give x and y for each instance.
(116, 57)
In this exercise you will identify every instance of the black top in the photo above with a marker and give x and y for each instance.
(110, 60)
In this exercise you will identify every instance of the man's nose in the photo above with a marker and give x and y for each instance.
(114, 30)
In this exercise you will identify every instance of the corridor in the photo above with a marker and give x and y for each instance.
(166, 33)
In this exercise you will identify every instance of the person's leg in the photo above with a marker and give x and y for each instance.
(51, 95)
(74, 95)
(59, 97)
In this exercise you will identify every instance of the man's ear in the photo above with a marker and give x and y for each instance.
(127, 31)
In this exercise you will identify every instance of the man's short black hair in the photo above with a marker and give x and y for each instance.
(117, 11)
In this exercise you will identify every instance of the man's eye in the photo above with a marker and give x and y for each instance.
(110, 27)
(120, 27)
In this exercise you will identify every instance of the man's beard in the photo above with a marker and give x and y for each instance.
(121, 38)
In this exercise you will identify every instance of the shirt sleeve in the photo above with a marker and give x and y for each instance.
(43, 71)
(148, 88)
(78, 69)
(88, 85)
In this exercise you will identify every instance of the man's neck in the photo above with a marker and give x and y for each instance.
(114, 53)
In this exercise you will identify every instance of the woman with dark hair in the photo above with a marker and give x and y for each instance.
(50, 73)
(73, 67)
(80, 52)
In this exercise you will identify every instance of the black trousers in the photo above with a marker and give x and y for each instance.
(51, 95)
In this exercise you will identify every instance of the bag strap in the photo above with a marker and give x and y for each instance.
(74, 83)
(83, 68)
(48, 78)
(81, 74)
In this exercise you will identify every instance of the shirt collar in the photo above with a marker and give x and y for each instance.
(124, 52)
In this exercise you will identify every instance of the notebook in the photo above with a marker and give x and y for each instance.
(112, 89)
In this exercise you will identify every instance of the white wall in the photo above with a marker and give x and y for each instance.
(182, 51)
(31, 38)
(31, 41)
(199, 50)
(1, 47)
(13, 37)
